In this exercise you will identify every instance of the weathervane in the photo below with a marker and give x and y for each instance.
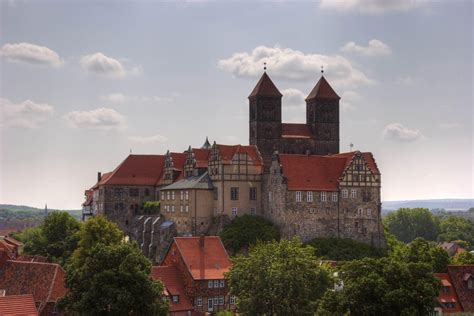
(265, 66)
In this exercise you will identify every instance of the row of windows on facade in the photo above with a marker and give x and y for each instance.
(310, 196)
(185, 209)
(360, 211)
(118, 192)
(214, 301)
(170, 195)
(234, 194)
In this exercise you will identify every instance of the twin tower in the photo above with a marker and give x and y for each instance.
(318, 136)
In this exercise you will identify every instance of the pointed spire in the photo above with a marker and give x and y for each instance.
(265, 88)
(322, 90)
(207, 144)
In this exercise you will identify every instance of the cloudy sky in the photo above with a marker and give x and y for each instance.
(83, 83)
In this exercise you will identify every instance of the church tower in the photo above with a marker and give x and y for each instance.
(322, 117)
(265, 117)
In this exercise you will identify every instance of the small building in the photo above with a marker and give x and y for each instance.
(457, 290)
(193, 271)
(452, 248)
(16, 305)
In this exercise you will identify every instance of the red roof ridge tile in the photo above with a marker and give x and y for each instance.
(265, 87)
(322, 90)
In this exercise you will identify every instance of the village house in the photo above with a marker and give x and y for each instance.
(193, 275)
(456, 294)
(16, 305)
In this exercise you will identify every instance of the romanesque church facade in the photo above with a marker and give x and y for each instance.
(292, 174)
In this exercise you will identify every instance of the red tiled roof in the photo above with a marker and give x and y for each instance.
(311, 172)
(451, 296)
(173, 285)
(13, 241)
(295, 130)
(16, 305)
(322, 90)
(204, 263)
(459, 275)
(44, 280)
(137, 170)
(227, 152)
(103, 179)
(202, 157)
(265, 87)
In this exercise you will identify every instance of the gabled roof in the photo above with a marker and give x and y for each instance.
(312, 172)
(450, 296)
(368, 157)
(322, 90)
(227, 153)
(202, 157)
(15, 305)
(459, 275)
(137, 170)
(44, 280)
(204, 262)
(265, 88)
(173, 284)
(291, 130)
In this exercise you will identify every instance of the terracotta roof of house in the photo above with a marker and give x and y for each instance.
(368, 157)
(137, 170)
(289, 130)
(173, 284)
(322, 90)
(16, 305)
(451, 296)
(44, 280)
(312, 172)
(460, 274)
(207, 262)
(227, 152)
(265, 88)
(202, 157)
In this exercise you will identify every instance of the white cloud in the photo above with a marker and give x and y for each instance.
(148, 139)
(371, 6)
(348, 99)
(450, 125)
(101, 118)
(290, 64)
(102, 65)
(374, 48)
(398, 132)
(31, 54)
(27, 114)
(123, 98)
(293, 98)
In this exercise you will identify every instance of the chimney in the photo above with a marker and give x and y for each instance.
(99, 176)
(201, 241)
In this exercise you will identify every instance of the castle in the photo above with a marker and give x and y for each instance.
(291, 174)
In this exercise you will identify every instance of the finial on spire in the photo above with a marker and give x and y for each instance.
(322, 69)
(264, 66)
(130, 150)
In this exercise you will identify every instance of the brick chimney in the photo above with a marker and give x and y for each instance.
(201, 241)
(99, 176)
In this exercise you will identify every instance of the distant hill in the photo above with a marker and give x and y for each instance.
(436, 204)
(16, 208)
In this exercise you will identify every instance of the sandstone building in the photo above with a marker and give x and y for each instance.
(292, 174)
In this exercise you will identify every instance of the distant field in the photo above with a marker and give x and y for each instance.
(446, 204)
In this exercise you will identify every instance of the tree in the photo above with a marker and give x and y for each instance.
(56, 238)
(422, 251)
(407, 224)
(463, 258)
(343, 249)
(278, 278)
(457, 228)
(245, 230)
(382, 286)
(113, 280)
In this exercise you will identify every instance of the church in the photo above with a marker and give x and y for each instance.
(291, 174)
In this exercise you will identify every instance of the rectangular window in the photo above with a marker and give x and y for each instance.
(221, 300)
(324, 197)
(298, 196)
(175, 298)
(216, 193)
(345, 193)
(181, 195)
(168, 195)
(216, 284)
(167, 208)
(234, 211)
(187, 195)
(221, 283)
(253, 211)
(369, 212)
(199, 301)
(181, 208)
(360, 211)
(187, 208)
(232, 299)
(172, 208)
(172, 195)
(162, 196)
(309, 196)
(334, 196)
(234, 194)
(133, 192)
(253, 194)
(210, 284)
(353, 193)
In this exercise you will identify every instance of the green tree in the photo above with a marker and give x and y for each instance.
(113, 280)
(56, 238)
(343, 249)
(407, 224)
(457, 228)
(245, 230)
(278, 278)
(463, 258)
(422, 251)
(382, 286)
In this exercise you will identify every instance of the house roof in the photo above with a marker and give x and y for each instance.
(105, 176)
(45, 281)
(202, 182)
(204, 262)
(289, 130)
(322, 90)
(137, 170)
(227, 153)
(173, 284)
(451, 296)
(368, 157)
(265, 88)
(15, 305)
(89, 195)
(459, 275)
(312, 172)
(202, 157)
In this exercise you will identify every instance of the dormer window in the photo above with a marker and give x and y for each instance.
(175, 298)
